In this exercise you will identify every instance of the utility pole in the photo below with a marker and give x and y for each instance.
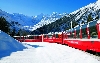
(71, 24)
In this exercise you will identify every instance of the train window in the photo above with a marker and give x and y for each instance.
(37, 37)
(93, 32)
(84, 33)
(77, 33)
(68, 35)
(71, 35)
(22, 37)
(30, 37)
(49, 36)
(56, 35)
(25, 37)
(44, 36)
(33, 37)
(65, 36)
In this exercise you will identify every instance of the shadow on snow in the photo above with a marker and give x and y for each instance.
(5, 53)
(35, 46)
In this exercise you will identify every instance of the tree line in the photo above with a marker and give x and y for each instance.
(10, 29)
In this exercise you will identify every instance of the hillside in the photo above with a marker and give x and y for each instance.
(83, 15)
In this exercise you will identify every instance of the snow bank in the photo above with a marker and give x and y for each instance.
(8, 45)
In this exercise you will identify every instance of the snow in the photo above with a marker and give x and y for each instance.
(43, 52)
(12, 51)
(47, 19)
(33, 22)
(98, 3)
(8, 45)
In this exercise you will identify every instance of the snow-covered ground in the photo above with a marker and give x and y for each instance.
(42, 52)
(8, 45)
(12, 51)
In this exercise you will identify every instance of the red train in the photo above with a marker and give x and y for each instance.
(29, 38)
(85, 37)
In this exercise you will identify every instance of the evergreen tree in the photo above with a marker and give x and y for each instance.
(4, 25)
(13, 32)
(18, 34)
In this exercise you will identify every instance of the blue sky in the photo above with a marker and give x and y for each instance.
(35, 7)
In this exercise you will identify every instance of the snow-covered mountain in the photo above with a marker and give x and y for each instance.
(30, 23)
(92, 9)
(47, 19)
(60, 22)
(83, 15)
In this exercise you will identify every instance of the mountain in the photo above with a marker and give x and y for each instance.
(83, 15)
(55, 22)
(47, 19)
(20, 21)
(23, 20)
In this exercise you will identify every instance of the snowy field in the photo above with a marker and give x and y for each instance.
(42, 52)
(12, 51)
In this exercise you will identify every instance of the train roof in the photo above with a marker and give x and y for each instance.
(92, 23)
(27, 36)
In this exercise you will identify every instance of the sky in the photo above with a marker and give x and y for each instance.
(36, 7)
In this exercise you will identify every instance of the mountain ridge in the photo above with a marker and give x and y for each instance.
(30, 22)
(83, 15)
(56, 21)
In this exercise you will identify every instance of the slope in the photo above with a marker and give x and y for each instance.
(8, 45)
